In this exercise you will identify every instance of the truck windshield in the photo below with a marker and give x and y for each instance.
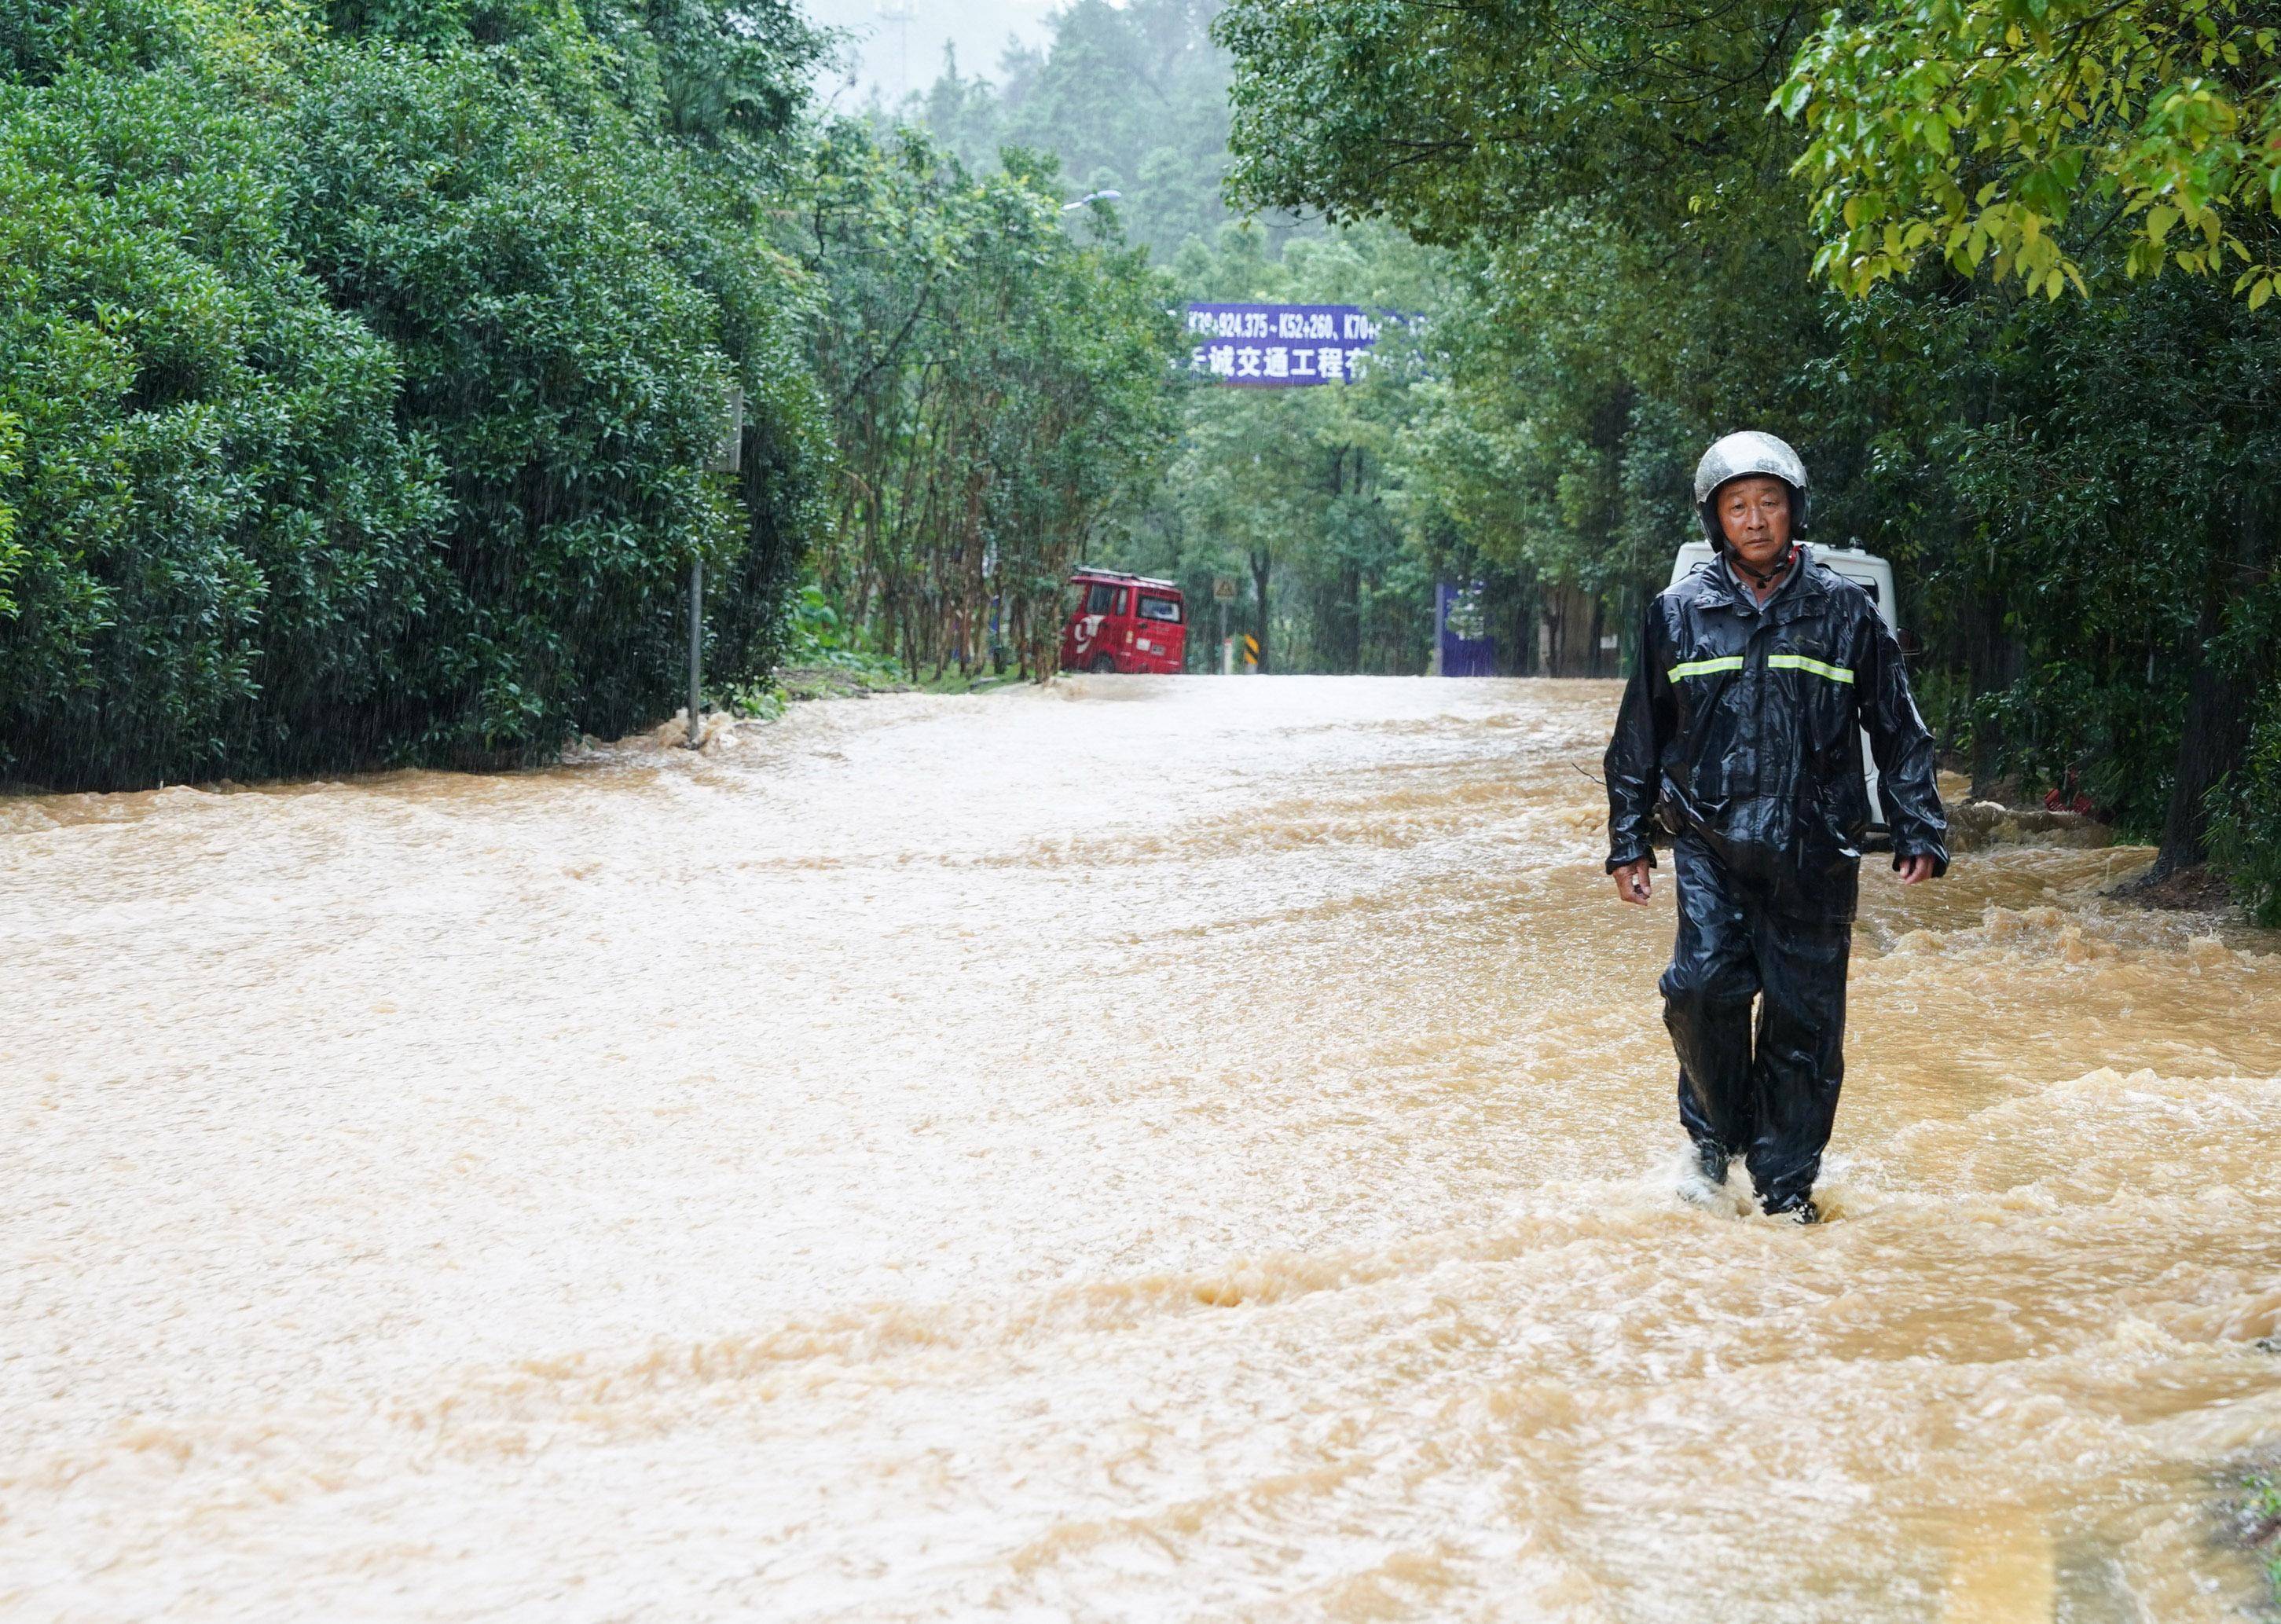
(1153, 607)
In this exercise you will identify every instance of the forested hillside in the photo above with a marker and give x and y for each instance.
(362, 367)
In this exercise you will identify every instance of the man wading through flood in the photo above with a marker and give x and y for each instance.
(1741, 727)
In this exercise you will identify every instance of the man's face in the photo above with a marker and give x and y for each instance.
(1754, 514)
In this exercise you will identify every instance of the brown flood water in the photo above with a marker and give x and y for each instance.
(1145, 1150)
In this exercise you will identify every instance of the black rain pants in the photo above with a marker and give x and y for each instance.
(1758, 924)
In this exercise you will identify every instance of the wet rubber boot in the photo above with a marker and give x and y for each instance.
(1798, 1210)
(1705, 1172)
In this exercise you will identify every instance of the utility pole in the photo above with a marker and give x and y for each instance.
(696, 647)
(728, 457)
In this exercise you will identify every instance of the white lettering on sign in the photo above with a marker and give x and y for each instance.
(1282, 345)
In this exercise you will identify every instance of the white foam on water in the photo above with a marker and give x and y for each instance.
(1141, 1149)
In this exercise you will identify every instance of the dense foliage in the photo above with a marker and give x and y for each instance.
(1000, 388)
(219, 521)
(366, 368)
(1128, 98)
(1982, 129)
(2080, 494)
(362, 366)
(1291, 494)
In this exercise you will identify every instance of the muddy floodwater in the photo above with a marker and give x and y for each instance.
(1148, 1150)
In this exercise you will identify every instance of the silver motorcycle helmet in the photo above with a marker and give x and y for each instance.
(1750, 451)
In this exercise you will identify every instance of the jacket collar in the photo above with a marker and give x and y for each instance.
(1798, 589)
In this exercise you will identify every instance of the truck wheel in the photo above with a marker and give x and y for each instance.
(1103, 662)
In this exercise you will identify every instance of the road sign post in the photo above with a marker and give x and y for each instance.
(728, 457)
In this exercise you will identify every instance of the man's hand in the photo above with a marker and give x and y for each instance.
(1632, 883)
(1915, 869)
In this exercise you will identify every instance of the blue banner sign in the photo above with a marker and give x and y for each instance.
(1281, 346)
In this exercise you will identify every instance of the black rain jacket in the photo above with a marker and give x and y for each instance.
(1743, 723)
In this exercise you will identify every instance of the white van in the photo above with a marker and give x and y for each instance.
(1874, 576)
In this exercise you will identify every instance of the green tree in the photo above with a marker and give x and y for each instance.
(219, 524)
(1635, 223)
(1000, 386)
(2088, 146)
(2018, 136)
(1618, 205)
(1129, 98)
(1295, 491)
(366, 363)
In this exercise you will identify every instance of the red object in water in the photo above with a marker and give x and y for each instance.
(1122, 622)
(2067, 799)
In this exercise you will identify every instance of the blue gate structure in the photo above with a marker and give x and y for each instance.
(1462, 642)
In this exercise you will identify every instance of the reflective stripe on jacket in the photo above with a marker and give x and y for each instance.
(1745, 719)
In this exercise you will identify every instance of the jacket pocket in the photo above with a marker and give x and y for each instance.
(1844, 804)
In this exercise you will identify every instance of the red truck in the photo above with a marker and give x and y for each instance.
(1123, 623)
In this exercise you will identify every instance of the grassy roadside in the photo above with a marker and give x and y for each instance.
(793, 684)
(822, 660)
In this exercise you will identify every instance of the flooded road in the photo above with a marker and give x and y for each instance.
(1145, 1150)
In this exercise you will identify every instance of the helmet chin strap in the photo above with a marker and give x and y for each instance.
(1762, 578)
